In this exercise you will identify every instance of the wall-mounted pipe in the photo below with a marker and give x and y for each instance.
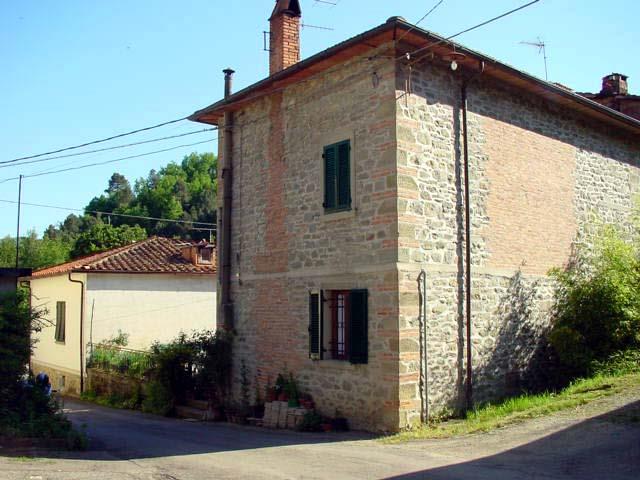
(424, 387)
(81, 330)
(467, 229)
(227, 196)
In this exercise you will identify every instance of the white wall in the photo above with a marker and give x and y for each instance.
(45, 293)
(148, 307)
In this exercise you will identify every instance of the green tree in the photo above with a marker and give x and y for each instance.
(185, 191)
(17, 321)
(104, 237)
(34, 252)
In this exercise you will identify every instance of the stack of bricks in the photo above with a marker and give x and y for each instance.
(281, 415)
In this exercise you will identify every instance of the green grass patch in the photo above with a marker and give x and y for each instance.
(517, 409)
(113, 400)
(126, 362)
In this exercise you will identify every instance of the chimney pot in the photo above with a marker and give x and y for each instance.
(614, 84)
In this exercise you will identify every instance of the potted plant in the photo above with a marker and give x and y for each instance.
(310, 422)
(307, 402)
(339, 423)
(292, 392)
(279, 388)
(326, 426)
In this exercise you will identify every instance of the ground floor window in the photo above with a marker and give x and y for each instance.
(338, 325)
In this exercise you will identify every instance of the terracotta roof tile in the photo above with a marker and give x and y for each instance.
(154, 255)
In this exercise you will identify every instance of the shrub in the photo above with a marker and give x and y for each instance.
(311, 422)
(158, 399)
(597, 307)
(620, 363)
(25, 409)
(198, 365)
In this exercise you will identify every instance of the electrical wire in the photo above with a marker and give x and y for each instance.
(486, 22)
(51, 172)
(4, 164)
(111, 214)
(93, 142)
(419, 21)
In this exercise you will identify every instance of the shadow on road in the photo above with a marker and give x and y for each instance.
(607, 446)
(123, 435)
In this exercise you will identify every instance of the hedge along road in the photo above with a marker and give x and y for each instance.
(597, 441)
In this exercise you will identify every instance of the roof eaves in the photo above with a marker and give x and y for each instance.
(525, 76)
(395, 22)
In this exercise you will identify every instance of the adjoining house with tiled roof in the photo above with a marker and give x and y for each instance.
(150, 290)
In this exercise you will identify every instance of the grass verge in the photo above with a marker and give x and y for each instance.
(517, 409)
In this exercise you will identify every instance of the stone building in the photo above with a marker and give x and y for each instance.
(348, 238)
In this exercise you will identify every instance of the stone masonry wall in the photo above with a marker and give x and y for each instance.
(538, 177)
(284, 245)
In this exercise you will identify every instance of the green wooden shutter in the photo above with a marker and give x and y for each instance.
(315, 324)
(358, 327)
(330, 172)
(60, 321)
(344, 175)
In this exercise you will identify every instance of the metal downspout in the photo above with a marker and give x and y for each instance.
(424, 390)
(81, 330)
(467, 229)
(227, 179)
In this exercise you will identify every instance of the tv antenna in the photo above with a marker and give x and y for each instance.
(542, 48)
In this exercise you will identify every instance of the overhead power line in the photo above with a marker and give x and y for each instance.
(88, 165)
(93, 142)
(111, 214)
(486, 22)
(11, 164)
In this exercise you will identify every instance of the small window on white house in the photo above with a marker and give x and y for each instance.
(61, 313)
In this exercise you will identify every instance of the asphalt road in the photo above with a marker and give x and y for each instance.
(601, 444)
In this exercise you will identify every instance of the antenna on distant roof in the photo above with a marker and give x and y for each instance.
(326, 2)
(542, 48)
(303, 25)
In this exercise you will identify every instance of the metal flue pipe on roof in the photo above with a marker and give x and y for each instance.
(227, 196)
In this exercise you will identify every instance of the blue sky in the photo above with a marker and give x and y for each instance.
(74, 71)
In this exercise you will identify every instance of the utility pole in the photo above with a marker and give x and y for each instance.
(18, 228)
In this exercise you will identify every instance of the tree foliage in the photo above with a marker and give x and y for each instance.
(104, 237)
(34, 252)
(184, 191)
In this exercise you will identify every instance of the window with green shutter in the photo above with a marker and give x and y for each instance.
(337, 176)
(315, 325)
(61, 313)
(338, 325)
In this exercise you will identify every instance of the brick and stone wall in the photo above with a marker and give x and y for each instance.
(284, 245)
(538, 178)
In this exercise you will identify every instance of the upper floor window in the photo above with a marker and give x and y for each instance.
(337, 176)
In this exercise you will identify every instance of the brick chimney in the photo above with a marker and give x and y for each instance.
(614, 84)
(284, 43)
